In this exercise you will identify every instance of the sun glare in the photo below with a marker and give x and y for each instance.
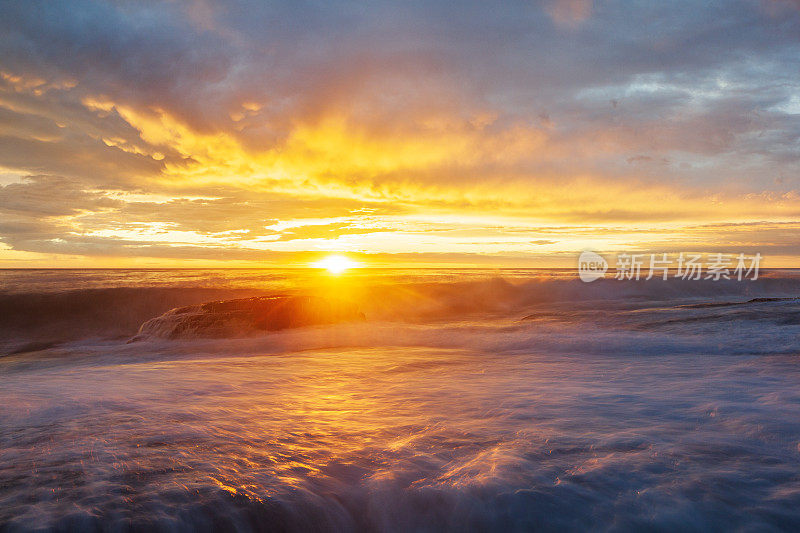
(335, 264)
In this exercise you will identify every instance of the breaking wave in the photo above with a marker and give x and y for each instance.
(31, 321)
(246, 316)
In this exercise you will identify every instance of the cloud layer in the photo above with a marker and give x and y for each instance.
(270, 131)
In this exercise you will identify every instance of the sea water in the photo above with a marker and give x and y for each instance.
(508, 400)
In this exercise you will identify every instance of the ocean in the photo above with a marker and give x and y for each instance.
(451, 400)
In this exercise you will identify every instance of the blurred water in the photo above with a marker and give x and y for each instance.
(484, 401)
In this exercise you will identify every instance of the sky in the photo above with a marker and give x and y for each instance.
(471, 133)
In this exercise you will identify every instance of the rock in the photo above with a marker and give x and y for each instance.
(246, 316)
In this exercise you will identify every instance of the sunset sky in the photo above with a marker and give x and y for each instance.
(200, 133)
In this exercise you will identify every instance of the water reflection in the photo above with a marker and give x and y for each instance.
(393, 438)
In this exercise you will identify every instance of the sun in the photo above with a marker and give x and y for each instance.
(335, 264)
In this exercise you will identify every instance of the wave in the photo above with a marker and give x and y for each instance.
(234, 318)
(36, 320)
(29, 320)
(729, 304)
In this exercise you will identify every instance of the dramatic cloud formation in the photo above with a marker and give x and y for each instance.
(426, 131)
